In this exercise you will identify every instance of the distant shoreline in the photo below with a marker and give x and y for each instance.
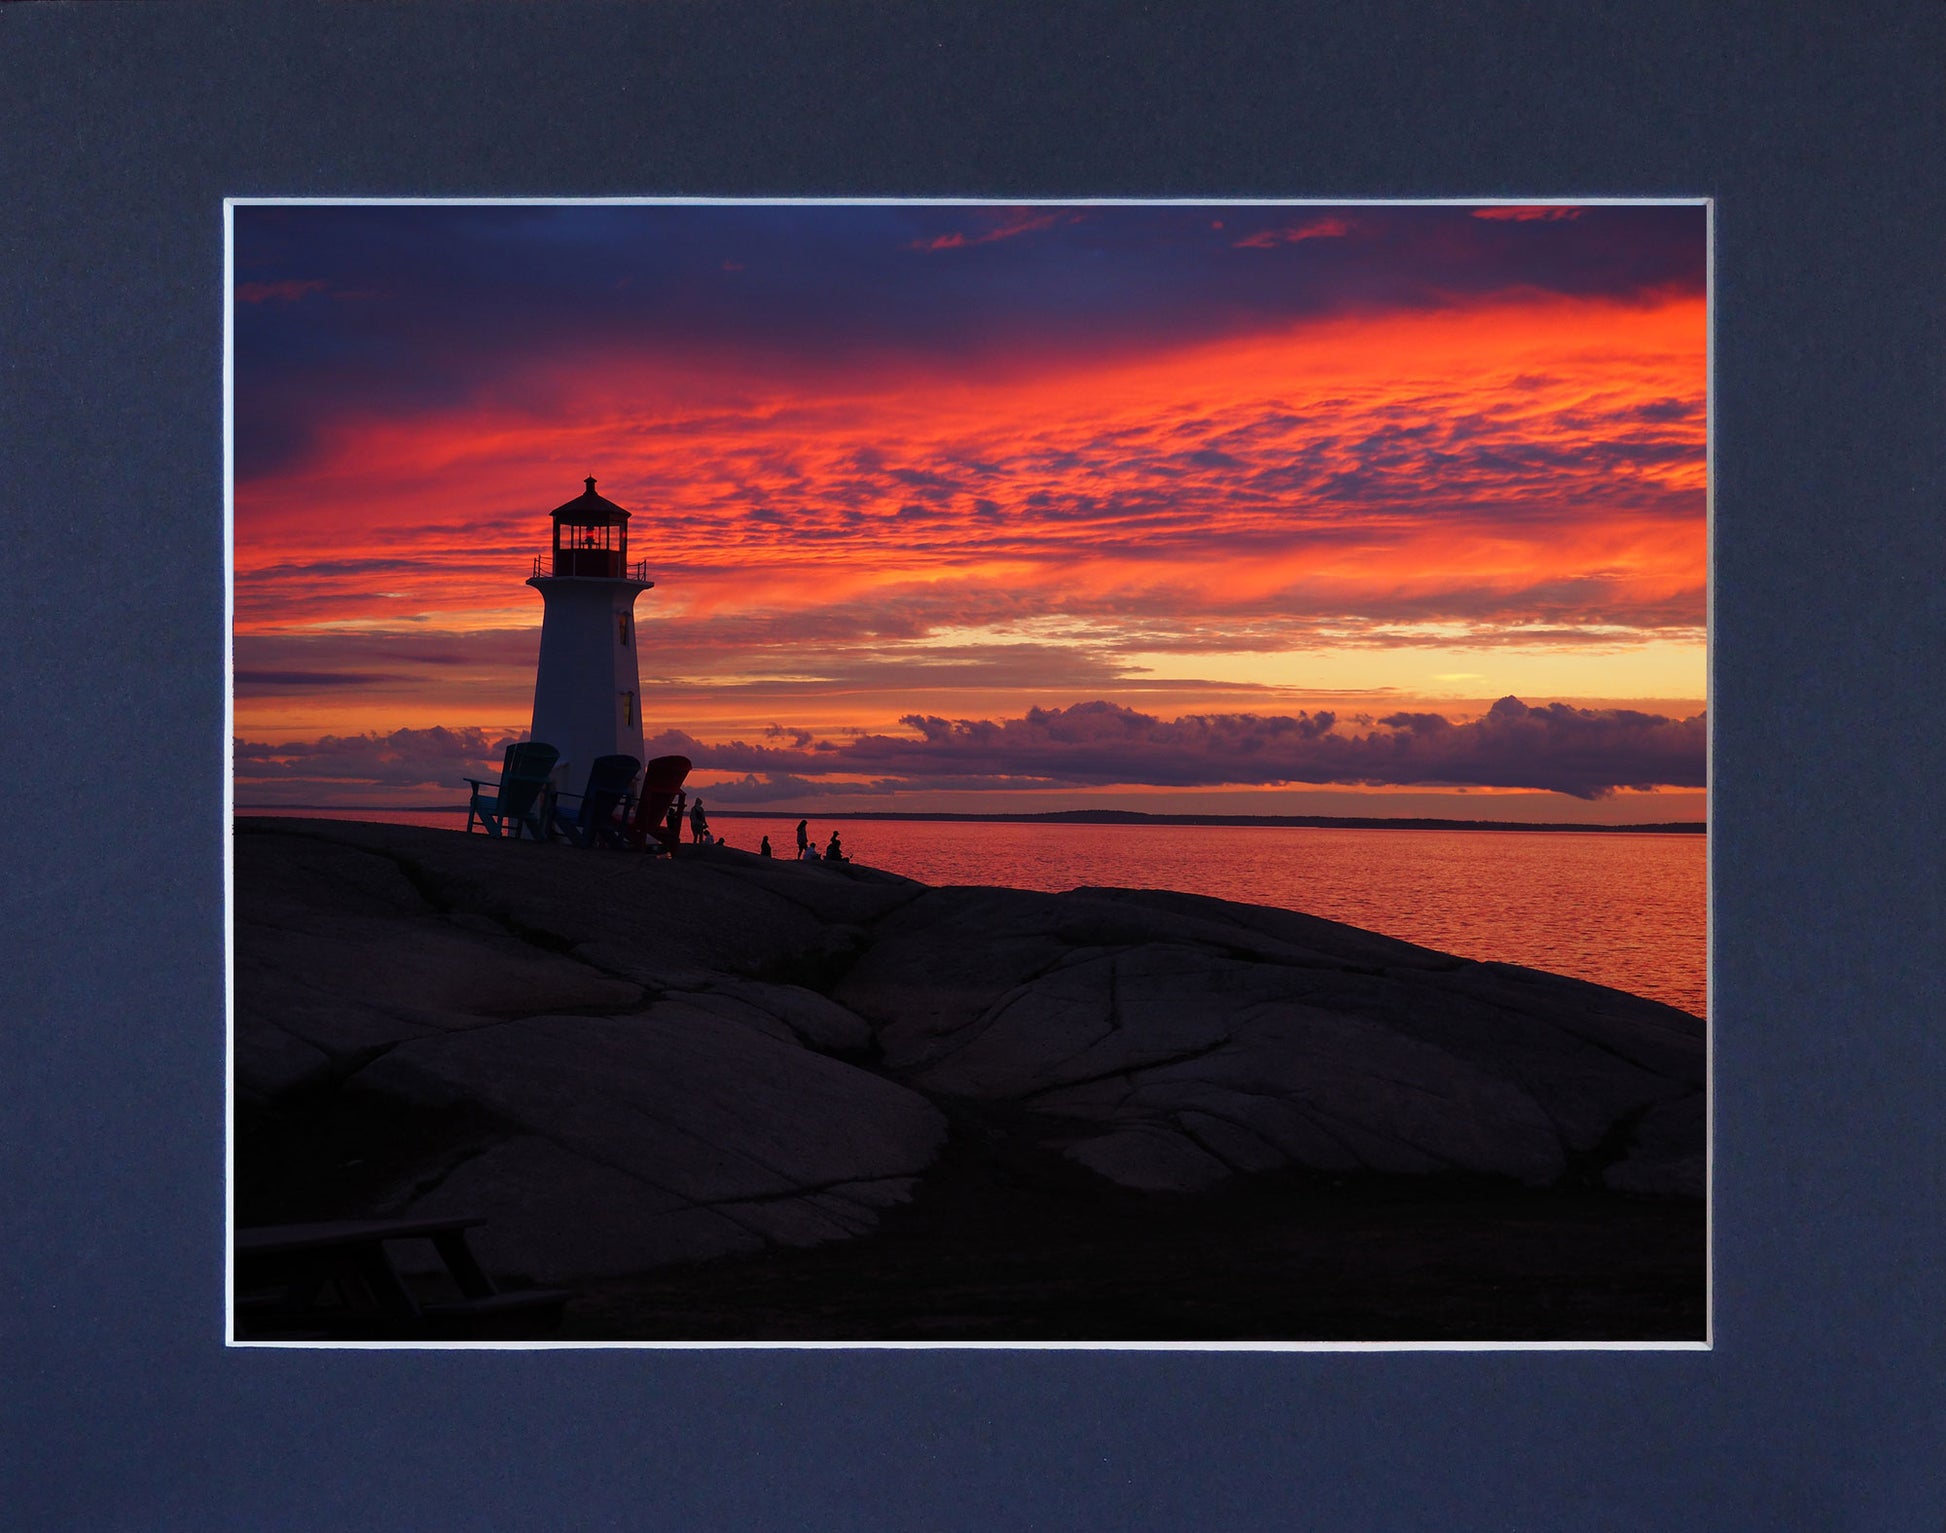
(1310, 821)
(1091, 817)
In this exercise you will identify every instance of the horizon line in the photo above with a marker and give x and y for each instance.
(1091, 817)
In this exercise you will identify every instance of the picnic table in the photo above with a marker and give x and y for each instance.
(339, 1279)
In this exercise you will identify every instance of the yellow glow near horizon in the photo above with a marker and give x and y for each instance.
(1653, 668)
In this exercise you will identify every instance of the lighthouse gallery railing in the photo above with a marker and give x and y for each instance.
(638, 570)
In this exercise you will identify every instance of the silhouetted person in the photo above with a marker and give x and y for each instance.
(698, 823)
(833, 852)
(764, 850)
(803, 839)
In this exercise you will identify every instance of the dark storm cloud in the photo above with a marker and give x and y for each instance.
(1585, 752)
(278, 681)
(260, 657)
(406, 309)
(1661, 410)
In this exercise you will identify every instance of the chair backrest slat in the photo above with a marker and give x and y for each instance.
(660, 780)
(608, 780)
(528, 766)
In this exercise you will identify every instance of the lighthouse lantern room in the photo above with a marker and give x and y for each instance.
(587, 686)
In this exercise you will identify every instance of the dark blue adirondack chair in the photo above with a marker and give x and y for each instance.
(596, 820)
(519, 801)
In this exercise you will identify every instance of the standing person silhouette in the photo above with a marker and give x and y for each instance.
(803, 839)
(699, 824)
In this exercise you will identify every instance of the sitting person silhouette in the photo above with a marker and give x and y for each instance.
(763, 850)
(833, 852)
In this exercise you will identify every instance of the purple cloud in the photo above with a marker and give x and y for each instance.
(1585, 752)
(436, 758)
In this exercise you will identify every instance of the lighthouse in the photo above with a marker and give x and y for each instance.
(587, 687)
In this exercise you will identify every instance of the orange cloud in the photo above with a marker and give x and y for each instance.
(1517, 473)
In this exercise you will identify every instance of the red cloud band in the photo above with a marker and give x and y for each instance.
(1528, 214)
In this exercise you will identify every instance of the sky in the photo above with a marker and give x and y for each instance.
(1366, 509)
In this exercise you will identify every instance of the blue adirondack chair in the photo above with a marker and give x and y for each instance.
(596, 820)
(519, 801)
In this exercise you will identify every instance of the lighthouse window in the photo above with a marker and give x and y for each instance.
(628, 708)
(621, 627)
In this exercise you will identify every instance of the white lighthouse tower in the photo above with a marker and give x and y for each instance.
(587, 688)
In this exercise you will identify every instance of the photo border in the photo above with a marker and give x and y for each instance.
(228, 746)
(1818, 135)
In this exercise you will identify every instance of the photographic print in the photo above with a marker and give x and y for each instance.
(947, 772)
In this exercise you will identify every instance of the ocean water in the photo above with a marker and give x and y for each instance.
(1621, 910)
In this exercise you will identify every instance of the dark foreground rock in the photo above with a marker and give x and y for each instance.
(631, 1065)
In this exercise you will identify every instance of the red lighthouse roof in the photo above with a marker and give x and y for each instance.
(590, 510)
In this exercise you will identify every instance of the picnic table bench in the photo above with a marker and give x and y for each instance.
(338, 1279)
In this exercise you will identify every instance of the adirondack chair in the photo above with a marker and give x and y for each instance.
(660, 780)
(595, 821)
(519, 801)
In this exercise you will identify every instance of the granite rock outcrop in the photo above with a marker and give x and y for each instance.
(625, 1062)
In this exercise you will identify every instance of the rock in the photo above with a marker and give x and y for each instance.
(940, 963)
(271, 1062)
(1665, 1152)
(556, 1215)
(799, 1013)
(654, 1061)
(1151, 1159)
(1320, 1045)
(701, 1133)
(722, 912)
(1286, 936)
(338, 950)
